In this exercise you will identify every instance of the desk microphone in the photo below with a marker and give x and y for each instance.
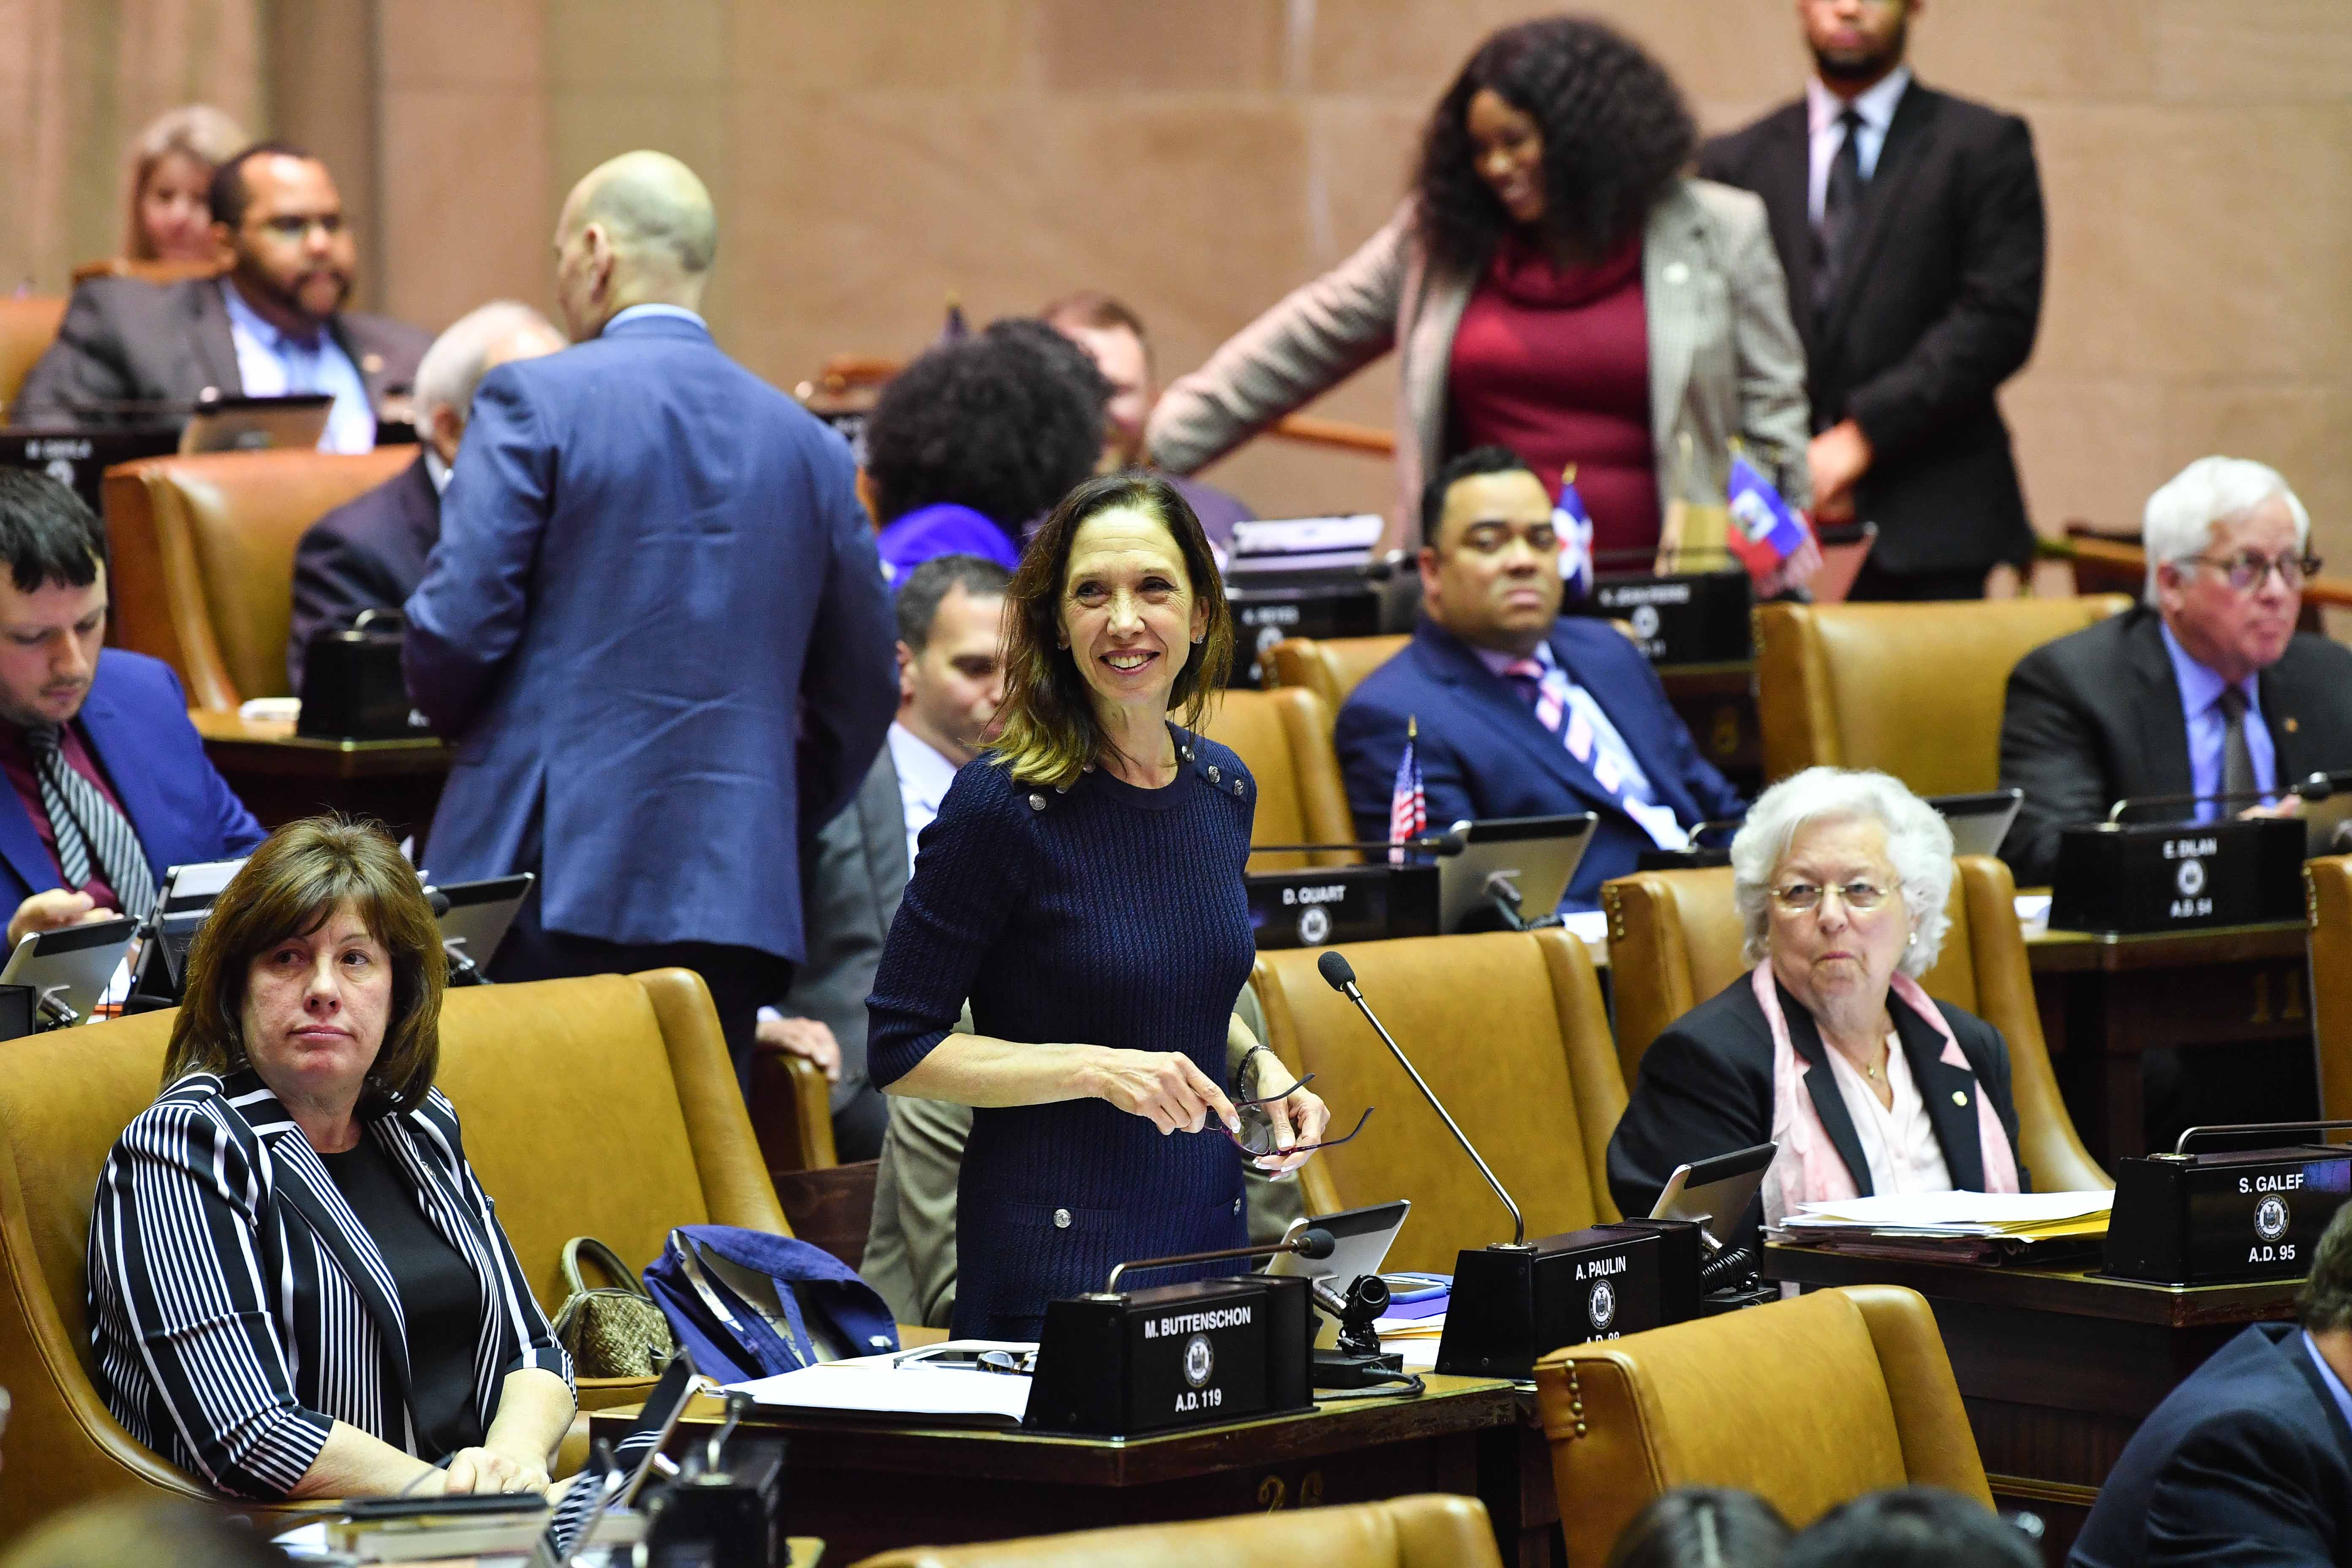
(2318, 786)
(1450, 842)
(1312, 1242)
(1341, 976)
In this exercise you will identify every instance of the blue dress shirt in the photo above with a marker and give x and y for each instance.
(2200, 707)
(270, 364)
(2343, 1395)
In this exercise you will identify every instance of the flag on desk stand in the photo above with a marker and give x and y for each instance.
(1573, 524)
(1766, 535)
(1408, 804)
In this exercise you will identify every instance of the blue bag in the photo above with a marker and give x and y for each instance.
(742, 1301)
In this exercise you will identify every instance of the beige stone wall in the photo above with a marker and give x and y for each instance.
(1201, 156)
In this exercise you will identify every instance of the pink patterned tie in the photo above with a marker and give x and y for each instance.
(1525, 675)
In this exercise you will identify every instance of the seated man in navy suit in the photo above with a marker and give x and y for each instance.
(2250, 1459)
(109, 787)
(1522, 713)
(369, 552)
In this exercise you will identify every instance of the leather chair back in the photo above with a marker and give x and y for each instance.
(1427, 1531)
(204, 558)
(1331, 667)
(1509, 1030)
(1807, 1403)
(1916, 691)
(28, 325)
(1284, 737)
(2327, 902)
(1674, 939)
(602, 1106)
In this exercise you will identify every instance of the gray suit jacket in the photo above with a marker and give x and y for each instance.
(910, 1244)
(125, 342)
(856, 876)
(1725, 360)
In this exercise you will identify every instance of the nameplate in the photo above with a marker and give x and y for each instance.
(1271, 606)
(1179, 1355)
(1342, 903)
(1686, 617)
(2138, 877)
(1509, 1307)
(2205, 1219)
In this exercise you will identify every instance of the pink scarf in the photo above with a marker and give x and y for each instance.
(1808, 1168)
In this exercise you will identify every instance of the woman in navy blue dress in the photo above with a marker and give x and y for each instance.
(1082, 887)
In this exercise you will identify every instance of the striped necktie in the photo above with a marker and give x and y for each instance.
(87, 827)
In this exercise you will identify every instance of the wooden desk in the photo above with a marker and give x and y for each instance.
(281, 775)
(1717, 705)
(2106, 999)
(2057, 1368)
(866, 1488)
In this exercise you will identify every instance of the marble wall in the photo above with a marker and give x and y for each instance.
(1198, 157)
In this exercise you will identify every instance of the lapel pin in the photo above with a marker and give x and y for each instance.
(2291, 725)
(1959, 1097)
(372, 363)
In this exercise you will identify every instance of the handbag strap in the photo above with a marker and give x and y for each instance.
(608, 1262)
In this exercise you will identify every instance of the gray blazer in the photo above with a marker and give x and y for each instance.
(857, 875)
(1725, 360)
(123, 340)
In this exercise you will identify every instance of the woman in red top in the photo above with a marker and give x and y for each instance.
(1554, 285)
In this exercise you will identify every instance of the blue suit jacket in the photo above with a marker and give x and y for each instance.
(1483, 753)
(2248, 1461)
(655, 622)
(136, 719)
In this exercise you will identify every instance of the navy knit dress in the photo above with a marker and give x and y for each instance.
(1104, 915)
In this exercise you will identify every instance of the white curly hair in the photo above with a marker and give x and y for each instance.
(1918, 842)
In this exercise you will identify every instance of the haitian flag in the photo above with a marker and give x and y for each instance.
(1765, 531)
(1573, 524)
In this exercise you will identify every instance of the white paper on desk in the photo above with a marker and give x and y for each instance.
(902, 1384)
(1961, 1213)
(1589, 926)
(2032, 908)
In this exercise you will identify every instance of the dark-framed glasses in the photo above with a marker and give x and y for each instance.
(2247, 569)
(1256, 1138)
(1799, 897)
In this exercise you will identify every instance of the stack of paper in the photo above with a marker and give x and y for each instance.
(1977, 1226)
(930, 1386)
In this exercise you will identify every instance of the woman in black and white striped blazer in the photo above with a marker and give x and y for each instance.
(298, 1287)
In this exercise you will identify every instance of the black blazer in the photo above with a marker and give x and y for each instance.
(2246, 1461)
(1706, 1089)
(2096, 716)
(366, 554)
(123, 340)
(1937, 308)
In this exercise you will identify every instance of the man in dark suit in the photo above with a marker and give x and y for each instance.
(1909, 227)
(108, 785)
(273, 324)
(951, 626)
(655, 625)
(369, 552)
(2205, 688)
(1521, 712)
(2250, 1459)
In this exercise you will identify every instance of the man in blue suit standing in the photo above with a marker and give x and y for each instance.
(109, 787)
(655, 625)
(1520, 713)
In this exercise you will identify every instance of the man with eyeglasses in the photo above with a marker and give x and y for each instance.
(272, 324)
(2206, 687)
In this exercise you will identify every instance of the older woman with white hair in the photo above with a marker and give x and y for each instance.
(1829, 1048)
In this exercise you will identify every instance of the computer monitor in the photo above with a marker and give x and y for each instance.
(479, 915)
(1527, 859)
(257, 424)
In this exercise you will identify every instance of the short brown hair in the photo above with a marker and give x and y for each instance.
(1093, 309)
(2326, 1301)
(290, 886)
(1050, 734)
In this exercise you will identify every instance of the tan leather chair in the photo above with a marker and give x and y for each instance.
(1284, 737)
(204, 558)
(1510, 1032)
(1807, 1403)
(1331, 667)
(1427, 1531)
(2327, 901)
(1675, 940)
(1916, 691)
(28, 325)
(604, 1107)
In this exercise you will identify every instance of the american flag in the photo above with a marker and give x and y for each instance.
(1408, 804)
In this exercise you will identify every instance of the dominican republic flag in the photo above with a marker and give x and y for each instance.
(1408, 804)
(1765, 531)
(1573, 524)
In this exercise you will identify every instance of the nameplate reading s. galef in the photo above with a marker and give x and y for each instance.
(2209, 1219)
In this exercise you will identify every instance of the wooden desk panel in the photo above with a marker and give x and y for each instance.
(868, 1488)
(281, 775)
(2057, 1367)
(1717, 705)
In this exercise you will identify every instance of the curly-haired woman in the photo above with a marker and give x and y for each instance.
(1555, 285)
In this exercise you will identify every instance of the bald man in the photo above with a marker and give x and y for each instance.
(653, 627)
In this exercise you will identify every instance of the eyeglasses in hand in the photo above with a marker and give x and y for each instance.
(1256, 1138)
(1799, 898)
